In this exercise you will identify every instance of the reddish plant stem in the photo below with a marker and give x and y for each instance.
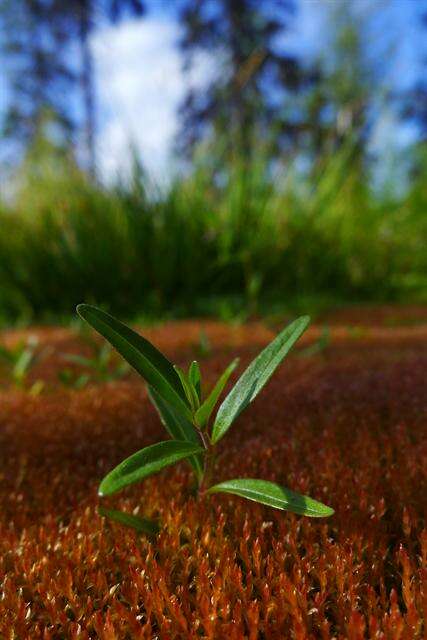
(209, 462)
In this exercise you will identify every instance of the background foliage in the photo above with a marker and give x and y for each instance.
(279, 196)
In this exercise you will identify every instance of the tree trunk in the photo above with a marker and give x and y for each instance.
(88, 84)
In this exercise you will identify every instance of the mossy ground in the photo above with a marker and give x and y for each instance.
(346, 425)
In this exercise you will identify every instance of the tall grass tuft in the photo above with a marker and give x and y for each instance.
(252, 235)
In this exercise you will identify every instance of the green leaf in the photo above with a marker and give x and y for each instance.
(195, 378)
(122, 369)
(37, 388)
(273, 495)
(189, 390)
(203, 414)
(23, 364)
(142, 525)
(104, 356)
(256, 376)
(319, 346)
(146, 462)
(80, 360)
(141, 355)
(204, 347)
(81, 381)
(178, 427)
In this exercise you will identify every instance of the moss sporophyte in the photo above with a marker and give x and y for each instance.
(187, 417)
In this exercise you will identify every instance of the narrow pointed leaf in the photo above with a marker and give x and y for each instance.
(141, 525)
(273, 495)
(256, 376)
(195, 378)
(204, 412)
(189, 391)
(140, 354)
(145, 463)
(178, 427)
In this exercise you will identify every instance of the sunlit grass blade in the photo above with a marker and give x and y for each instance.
(145, 463)
(256, 376)
(204, 412)
(195, 378)
(178, 427)
(140, 354)
(141, 525)
(273, 495)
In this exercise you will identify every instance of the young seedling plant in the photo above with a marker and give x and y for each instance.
(20, 359)
(187, 416)
(100, 365)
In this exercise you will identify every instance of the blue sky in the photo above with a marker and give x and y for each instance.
(140, 82)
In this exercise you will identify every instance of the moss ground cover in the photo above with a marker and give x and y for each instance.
(346, 424)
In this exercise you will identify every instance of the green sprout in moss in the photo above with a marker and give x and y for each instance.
(20, 359)
(100, 366)
(187, 416)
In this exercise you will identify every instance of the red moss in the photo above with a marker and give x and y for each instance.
(347, 426)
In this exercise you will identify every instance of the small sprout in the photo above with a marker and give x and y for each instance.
(204, 347)
(100, 366)
(70, 379)
(187, 416)
(319, 346)
(20, 360)
(36, 388)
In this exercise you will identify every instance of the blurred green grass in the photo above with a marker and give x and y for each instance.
(243, 243)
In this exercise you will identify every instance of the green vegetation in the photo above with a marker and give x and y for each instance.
(202, 247)
(186, 414)
(19, 360)
(100, 365)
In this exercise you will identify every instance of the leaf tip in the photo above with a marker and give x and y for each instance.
(81, 308)
(103, 489)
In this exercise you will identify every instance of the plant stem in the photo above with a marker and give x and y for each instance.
(204, 438)
(209, 462)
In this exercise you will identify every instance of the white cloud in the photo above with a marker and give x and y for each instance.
(140, 85)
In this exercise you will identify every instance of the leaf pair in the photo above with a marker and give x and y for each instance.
(154, 458)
